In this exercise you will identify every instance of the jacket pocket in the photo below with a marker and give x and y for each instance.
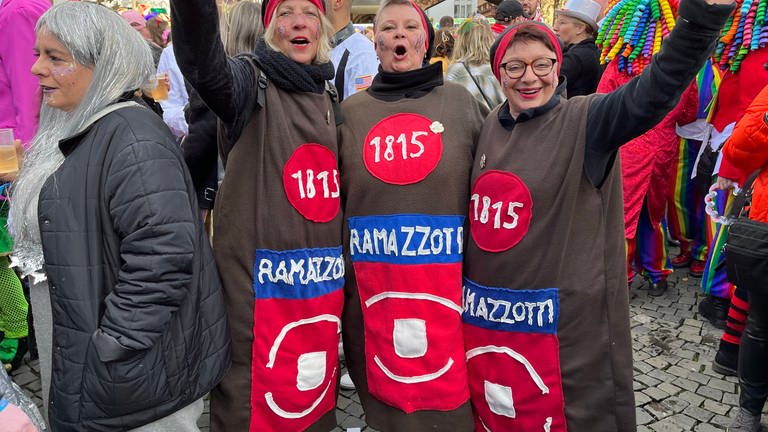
(122, 387)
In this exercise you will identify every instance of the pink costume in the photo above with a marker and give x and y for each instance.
(19, 93)
(647, 168)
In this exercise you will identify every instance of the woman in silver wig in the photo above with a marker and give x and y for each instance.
(126, 298)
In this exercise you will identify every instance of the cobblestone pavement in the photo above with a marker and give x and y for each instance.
(675, 386)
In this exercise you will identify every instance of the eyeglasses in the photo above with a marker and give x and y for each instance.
(541, 67)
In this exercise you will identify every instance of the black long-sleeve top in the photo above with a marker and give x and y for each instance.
(617, 117)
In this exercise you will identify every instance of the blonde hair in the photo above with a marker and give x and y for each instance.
(244, 28)
(323, 43)
(473, 43)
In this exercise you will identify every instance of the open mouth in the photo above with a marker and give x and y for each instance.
(46, 89)
(528, 93)
(400, 50)
(300, 41)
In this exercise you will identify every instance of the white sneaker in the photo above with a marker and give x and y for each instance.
(346, 382)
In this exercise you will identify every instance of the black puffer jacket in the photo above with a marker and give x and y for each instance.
(139, 328)
(581, 67)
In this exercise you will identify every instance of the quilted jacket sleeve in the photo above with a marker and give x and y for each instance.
(747, 148)
(152, 216)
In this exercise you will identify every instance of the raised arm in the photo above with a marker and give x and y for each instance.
(637, 106)
(225, 84)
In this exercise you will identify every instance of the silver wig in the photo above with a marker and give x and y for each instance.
(99, 39)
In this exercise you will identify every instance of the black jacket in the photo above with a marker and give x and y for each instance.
(200, 149)
(139, 328)
(581, 67)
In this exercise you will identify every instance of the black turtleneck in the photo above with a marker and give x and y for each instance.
(508, 121)
(393, 86)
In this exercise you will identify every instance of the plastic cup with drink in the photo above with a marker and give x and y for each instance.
(9, 162)
(158, 86)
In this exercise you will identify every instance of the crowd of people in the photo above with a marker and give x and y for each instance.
(225, 199)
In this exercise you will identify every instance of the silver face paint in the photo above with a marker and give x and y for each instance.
(63, 71)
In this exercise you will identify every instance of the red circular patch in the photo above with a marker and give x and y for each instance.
(499, 210)
(402, 149)
(311, 182)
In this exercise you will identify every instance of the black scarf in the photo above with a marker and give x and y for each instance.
(393, 86)
(290, 75)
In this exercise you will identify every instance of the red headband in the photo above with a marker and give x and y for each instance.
(272, 5)
(506, 38)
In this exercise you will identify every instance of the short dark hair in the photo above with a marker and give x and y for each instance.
(446, 21)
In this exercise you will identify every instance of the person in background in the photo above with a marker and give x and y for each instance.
(178, 98)
(745, 152)
(405, 149)
(686, 218)
(137, 21)
(19, 92)
(19, 106)
(104, 217)
(726, 305)
(647, 161)
(278, 207)
(508, 12)
(532, 9)
(157, 25)
(446, 22)
(368, 32)
(471, 65)
(241, 28)
(546, 229)
(14, 309)
(443, 49)
(576, 26)
(353, 55)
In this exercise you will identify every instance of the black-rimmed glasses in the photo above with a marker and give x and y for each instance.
(541, 67)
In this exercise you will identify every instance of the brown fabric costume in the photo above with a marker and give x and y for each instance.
(277, 227)
(545, 298)
(578, 228)
(444, 191)
(252, 212)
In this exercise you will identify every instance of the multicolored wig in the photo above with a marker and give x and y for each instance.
(632, 32)
(744, 32)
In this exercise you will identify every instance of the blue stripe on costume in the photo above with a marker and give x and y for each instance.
(406, 239)
(500, 309)
(298, 273)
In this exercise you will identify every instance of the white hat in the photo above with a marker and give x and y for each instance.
(584, 10)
